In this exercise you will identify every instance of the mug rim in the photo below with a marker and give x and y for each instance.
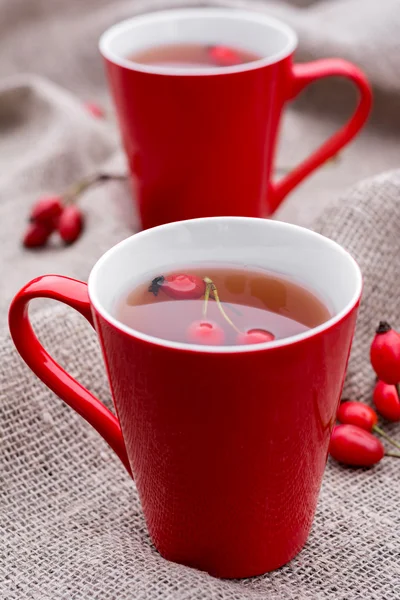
(165, 15)
(183, 346)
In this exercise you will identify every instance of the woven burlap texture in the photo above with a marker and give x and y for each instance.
(71, 526)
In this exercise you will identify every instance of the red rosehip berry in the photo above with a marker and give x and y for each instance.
(205, 332)
(70, 224)
(47, 209)
(224, 56)
(385, 353)
(184, 287)
(354, 446)
(254, 336)
(357, 413)
(386, 400)
(94, 110)
(36, 235)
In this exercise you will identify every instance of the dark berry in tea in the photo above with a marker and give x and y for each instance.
(220, 306)
(193, 56)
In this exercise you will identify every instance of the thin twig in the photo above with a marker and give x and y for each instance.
(386, 436)
(206, 297)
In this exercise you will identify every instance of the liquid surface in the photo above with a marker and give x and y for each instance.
(250, 299)
(193, 56)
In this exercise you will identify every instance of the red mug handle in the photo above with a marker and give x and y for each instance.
(301, 76)
(75, 294)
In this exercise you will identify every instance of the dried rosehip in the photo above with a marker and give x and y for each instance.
(36, 235)
(47, 209)
(387, 402)
(70, 224)
(94, 110)
(385, 353)
(223, 56)
(354, 446)
(205, 332)
(184, 287)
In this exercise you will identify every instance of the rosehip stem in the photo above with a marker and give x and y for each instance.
(382, 433)
(232, 308)
(78, 188)
(392, 454)
(213, 289)
(206, 297)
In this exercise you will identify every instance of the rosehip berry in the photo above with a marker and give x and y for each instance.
(224, 56)
(184, 287)
(385, 353)
(36, 235)
(255, 336)
(47, 209)
(205, 332)
(70, 224)
(386, 400)
(357, 413)
(94, 109)
(354, 446)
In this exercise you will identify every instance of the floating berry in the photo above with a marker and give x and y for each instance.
(385, 353)
(357, 413)
(386, 400)
(183, 287)
(70, 224)
(36, 235)
(47, 209)
(94, 109)
(255, 336)
(205, 332)
(224, 56)
(354, 446)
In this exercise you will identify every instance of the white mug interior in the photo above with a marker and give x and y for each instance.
(255, 32)
(296, 253)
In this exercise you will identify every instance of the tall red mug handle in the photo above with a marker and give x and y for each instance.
(75, 294)
(301, 76)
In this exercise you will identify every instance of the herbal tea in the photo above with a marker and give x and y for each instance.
(193, 56)
(220, 306)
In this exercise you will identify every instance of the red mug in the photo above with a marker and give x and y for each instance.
(201, 142)
(227, 445)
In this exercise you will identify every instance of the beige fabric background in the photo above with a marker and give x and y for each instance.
(70, 521)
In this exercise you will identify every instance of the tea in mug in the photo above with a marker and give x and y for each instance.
(221, 306)
(193, 56)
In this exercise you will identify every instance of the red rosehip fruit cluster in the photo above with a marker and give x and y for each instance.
(48, 215)
(353, 442)
(385, 360)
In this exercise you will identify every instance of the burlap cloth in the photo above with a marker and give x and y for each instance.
(70, 521)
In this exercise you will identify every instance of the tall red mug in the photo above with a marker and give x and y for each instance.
(227, 445)
(201, 142)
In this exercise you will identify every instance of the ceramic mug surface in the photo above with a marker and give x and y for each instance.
(227, 445)
(201, 142)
